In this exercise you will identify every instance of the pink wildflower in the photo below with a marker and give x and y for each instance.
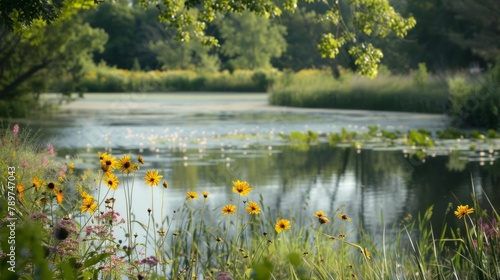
(16, 129)
(50, 149)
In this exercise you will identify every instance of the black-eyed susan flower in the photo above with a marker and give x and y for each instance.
(125, 164)
(344, 217)
(20, 190)
(241, 187)
(229, 209)
(463, 210)
(161, 232)
(319, 214)
(84, 194)
(192, 195)
(323, 220)
(152, 178)
(59, 196)
(205, 194)
(111, 181)
(165, 184)
(282, 225)
(88, 204)
(37, 183)
(103, 155)
(108, 163)
(51, 186)
(140, 159)
(253, 208)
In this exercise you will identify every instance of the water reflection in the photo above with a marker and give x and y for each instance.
(205, 141)
(375, 188)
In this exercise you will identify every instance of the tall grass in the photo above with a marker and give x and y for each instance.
(318, 89)
(68, 225)
(104, 79)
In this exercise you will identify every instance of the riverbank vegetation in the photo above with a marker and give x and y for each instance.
(127, 49)
(69, 222)
(106, 79)
(469, 100)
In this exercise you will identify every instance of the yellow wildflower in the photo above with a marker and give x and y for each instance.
(241, 187)
(463, 210)
(229, 209)
(282, 225)
(253, 208)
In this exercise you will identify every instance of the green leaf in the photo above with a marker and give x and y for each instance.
(96, 259)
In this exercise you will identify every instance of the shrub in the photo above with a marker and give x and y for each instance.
(476, 106)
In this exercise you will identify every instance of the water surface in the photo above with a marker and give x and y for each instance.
(202, 142)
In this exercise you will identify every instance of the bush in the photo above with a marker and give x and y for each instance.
(19, 107)
(476, 106)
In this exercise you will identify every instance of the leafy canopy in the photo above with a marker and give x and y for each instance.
(353, 22)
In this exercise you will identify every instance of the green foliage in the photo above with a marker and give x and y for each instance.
(20, 107)
(251, 41)
(192, 55)
(420, 77)
(376, 18)
(476, 33)
(478, 104)
(300, 140)
(367, 59)
(450, 133)
(53, 56)
(420, 138)
(19, 16)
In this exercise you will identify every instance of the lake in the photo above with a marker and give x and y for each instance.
(202, 142)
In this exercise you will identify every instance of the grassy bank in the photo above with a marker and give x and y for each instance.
(66, 225)
(103, 79)
(318, 89)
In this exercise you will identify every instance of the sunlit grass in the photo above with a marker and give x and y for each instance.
(106, 79)
(319, 89)
(86, 236)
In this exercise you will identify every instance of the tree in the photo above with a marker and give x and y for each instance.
(53, 53)
(429, 40)
(351, 22)
(19, 16)
(173, 54)
(130, 29)
(480, 27)
(251, 41)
